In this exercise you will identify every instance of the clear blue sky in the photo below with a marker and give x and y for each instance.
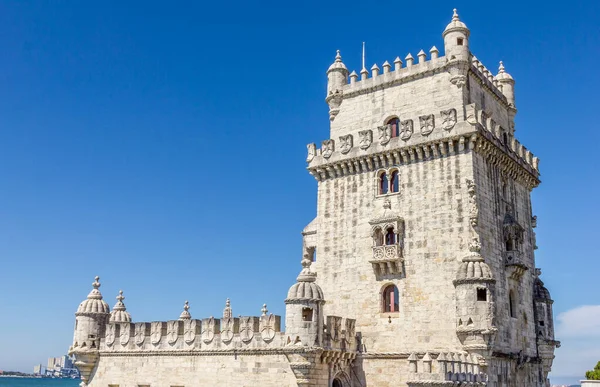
(162, 147)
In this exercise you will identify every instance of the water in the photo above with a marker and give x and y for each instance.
(27, 382)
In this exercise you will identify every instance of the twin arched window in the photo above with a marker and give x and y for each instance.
(389, 184)
(390, 299)
(388, 238)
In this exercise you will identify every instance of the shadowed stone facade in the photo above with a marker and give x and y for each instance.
(423, 243)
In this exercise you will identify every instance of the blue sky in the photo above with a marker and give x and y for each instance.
(161, 146)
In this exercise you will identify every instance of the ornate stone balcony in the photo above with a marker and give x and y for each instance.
(515, 264)
(387, 260)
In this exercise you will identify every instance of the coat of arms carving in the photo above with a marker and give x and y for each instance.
(406, 129)
(448, 119)
(385, 134)
(366, 138)
(189, 331)
(155, 332)
(208, 330)
(125, 333)
(427, 124)
(172, 331)
(247, 328)
(312, 152)
(227, 327)
(327, 148)
(268, 327)
(140, 333)
(110, 334)
(345, 143)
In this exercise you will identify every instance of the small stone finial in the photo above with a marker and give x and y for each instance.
(375, 70)
(455, 15)
(264, 310)
(409, 60)
(306, 275)
(338, 57)
(96, 283)
(386, 67)
(364, 74)
(434, 52)
(501, 68)
(185, 315)
(120, 297)
(397, 63)
(353, 77)
(95, 293)
(421, 55)
(227, 312)
(119, 312)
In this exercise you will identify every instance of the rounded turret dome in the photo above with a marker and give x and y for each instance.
(502, 74)
(456, 25)
(119, 312)
(305, 289)
(94, 302)
(540, 291)
(474, 269)
(338, 64)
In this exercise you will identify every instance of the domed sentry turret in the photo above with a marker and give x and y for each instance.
(507, 83)
(119, 313)
(304, 310)
(90, 322)
(474, 283)
(456, 39)
(337, 78)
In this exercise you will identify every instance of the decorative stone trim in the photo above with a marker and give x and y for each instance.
(217, 352)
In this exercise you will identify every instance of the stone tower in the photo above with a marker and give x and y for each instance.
(424, 225)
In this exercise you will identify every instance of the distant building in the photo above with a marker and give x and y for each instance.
(37, 370)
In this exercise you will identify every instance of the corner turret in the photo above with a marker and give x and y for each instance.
(456, 39)
(90, 322)
(304, 309)
(337, 78)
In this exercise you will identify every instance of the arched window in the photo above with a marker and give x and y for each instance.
(394, 122)
(510, 245)
(337, 383)
(505, 138)
(390, 299)
(394, 182)
(383, 184)
(390, 237)
(378, 236)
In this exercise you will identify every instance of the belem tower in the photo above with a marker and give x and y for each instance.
(418, 269)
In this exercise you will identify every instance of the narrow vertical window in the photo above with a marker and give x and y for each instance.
(383, 184)
(511, 303)
(394, 124)
(378, 237)
(390, 237)
(394, 184)
(390, 299)
(481, 294)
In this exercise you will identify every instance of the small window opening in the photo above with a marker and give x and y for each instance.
(390, 299)
(312, 253)
(383, 184)
(378, 237)
(511, 303)
(542, 323)
(510, 245)
(460, 41)
(390, 237)
(336, 383)
(481, 295)
(307, 314)
(505, 138)
(395, 125)
(394, 185)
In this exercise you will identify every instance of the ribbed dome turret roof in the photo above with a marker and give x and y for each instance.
(94, 302)
(502, 74)
(338, 64)
(473, 266)
(456, 25)
(305, 289)
(540, 291)
(119, 312)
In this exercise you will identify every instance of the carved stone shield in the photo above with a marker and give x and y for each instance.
(267, 330)
(385, 134)
(140, 333)
(189, 331)
(172, 332)
(227, 330)
(406, 129)
(312, 151)
(125, 333)
(246, 328)
(327, 148)
(448, 119)
(427, 124)
(366, 138)
(110, 334)
(156, 332)
(345, 143)
(208, 330)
